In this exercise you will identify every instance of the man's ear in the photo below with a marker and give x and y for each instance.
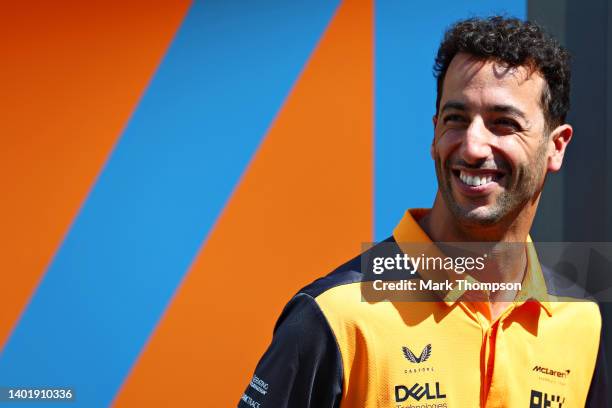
(559, 138)
(434, 120)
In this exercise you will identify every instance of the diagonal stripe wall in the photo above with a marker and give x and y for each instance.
(248, 167)
(159, 194)
(71, 75)
(301, 208)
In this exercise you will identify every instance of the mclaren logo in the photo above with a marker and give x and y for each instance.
(414, 359)
(554, 373)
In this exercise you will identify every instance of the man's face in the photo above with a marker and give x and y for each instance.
(490, 146)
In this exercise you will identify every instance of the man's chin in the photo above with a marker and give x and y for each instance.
(478, 216)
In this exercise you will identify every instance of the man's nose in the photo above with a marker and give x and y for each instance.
(476, 142)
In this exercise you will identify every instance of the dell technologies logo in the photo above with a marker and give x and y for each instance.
(417, 391)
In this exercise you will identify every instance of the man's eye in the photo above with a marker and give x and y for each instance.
(453, 119)
(507, 124)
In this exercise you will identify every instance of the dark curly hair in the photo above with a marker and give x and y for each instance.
(514, 43)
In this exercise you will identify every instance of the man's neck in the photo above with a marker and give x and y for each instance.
(441, 226)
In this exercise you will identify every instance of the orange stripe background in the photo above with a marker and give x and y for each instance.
(72, 73)
(303, 207)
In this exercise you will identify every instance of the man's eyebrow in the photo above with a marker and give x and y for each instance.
(495, 108)
(454, 105)
(508, 109)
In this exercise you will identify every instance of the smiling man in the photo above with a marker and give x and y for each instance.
(494, 143)
(499, 129)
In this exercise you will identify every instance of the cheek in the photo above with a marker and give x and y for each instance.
(514, 151)
(445, 144)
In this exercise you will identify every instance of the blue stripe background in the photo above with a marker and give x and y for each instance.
(214, 96)
(407, 38)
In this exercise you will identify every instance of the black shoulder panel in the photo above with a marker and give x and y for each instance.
(350, 272)
(599, 391)
(302, 368)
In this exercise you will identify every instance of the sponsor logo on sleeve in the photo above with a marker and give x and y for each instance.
(250, 401)
(259, 385)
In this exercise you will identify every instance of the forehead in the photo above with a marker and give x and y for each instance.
(485, 82)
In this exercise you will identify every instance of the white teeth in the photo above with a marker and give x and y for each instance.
(474, 181)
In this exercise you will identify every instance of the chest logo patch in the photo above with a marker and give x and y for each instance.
(425, 354)
(550, 371)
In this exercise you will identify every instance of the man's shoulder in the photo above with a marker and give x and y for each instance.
(339, 295)
(348, 273)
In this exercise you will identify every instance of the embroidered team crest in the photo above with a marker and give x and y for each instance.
(414, 359)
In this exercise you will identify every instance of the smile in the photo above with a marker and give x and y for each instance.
(478, 180)
(475, 180)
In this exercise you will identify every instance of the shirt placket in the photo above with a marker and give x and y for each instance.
(496, 381)
(493, 389)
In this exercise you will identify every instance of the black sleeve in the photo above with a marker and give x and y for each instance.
(598, 392)
(302, 368)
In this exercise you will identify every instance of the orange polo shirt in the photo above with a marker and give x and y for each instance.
(333, 348)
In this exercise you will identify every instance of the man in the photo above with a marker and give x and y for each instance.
(499, 128)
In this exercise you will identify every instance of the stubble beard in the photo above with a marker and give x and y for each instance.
(524, 185)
